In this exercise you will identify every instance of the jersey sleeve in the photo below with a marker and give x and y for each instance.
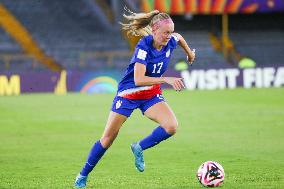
(174, 41)
(141, 52)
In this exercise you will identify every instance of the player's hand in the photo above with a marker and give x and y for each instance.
(175, 82)
(191, 56)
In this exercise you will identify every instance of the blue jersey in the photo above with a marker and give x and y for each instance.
(156, 63)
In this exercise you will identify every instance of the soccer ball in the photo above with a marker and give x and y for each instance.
(210, 174)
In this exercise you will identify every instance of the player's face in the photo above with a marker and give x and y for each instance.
(163, 34)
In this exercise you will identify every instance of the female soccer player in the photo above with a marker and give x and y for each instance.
(140, 87)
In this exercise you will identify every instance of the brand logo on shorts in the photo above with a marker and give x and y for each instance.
(160, 96)
(118, 104)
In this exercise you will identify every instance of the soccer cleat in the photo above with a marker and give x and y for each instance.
(138, 154)
(80, 181)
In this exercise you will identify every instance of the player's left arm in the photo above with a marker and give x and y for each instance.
(190, 53)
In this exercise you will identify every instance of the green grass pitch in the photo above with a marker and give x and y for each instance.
(45, 139)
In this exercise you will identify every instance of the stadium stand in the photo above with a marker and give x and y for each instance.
(206, 56)
(7, 44)
(12, 56)
(74, 34)
(59, 33)
(265, 48)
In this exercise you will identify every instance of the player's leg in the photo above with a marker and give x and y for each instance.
(113, 125)
(165, 117)
(157, 110)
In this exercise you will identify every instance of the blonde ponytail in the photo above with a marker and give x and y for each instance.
(140, 24)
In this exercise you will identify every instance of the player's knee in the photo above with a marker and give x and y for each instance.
(107, 141)
(171, 127)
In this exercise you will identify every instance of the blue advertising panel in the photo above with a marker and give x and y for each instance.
(106, 82)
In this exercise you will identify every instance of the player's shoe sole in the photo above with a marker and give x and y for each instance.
(80, 181)
(138, 154)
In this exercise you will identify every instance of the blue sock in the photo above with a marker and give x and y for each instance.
(159, 134)
(95, 155)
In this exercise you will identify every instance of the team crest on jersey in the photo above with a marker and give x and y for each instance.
(168, 53)
(118, 104)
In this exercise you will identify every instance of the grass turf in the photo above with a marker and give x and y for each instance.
(44, 141)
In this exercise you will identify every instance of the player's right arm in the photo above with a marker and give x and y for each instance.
(141, 79)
